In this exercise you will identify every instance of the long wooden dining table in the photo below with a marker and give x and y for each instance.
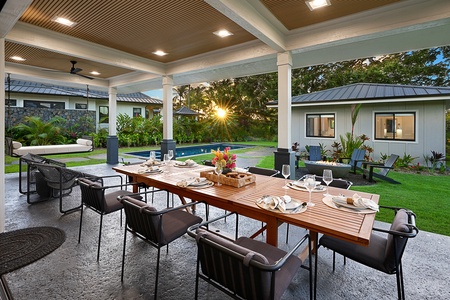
(321, 218)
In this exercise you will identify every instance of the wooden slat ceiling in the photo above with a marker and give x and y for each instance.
(182, 28)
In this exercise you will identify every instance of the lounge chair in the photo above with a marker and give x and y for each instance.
(315, 154)
(357, 159)
(385, 168)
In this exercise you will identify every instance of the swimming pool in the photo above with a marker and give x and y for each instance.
(190, 150)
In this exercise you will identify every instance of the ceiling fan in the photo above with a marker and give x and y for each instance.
(75, 70)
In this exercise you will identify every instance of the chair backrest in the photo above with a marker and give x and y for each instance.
(57, 176)
(233, 266)
(263, 171)
(144, 220)
(92, 194)
(357, 155)
(389, 163)
(404, 225)
(337, 182)
(315, 153)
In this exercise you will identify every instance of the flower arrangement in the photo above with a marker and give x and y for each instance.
(225, 158)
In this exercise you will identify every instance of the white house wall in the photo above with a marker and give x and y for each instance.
(430, 127)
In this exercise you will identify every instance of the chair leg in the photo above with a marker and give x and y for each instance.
(157, 273)
(123, 253)
(400, 284)
(197, 278)
(81, 222)
(334, 260)
(315, 271)
(99, 236)
(287, 233)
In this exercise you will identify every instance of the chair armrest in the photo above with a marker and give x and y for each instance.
(268, 267)
(411, 223)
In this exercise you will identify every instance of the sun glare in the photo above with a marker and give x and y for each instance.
(221, 113)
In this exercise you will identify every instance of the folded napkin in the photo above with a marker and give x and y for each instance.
(195, 181)
(357, 201)
(188, 162)
(274, 202)
(143, 170)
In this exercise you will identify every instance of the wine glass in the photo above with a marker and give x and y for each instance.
(152, 156)
(218, 170)
(166, 159)
(170, 155)
(327, 178)
(310, 184)
(286, 171)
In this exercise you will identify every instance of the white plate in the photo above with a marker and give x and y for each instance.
(153, 171)
(297, 185)
(329, 202)
(200, 183)
(182, 165)
(293, 204)
(203, 185)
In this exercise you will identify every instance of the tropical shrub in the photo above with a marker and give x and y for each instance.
(36, 132)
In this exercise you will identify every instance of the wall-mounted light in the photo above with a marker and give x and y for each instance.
(18, 58)
(315, 4)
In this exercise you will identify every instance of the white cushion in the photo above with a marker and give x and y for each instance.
(84, 142)
(16, 145)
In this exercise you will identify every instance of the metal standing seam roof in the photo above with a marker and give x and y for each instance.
(369, 91)
(185, 111)
(45, 89)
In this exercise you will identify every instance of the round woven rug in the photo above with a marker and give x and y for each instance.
(21, 247)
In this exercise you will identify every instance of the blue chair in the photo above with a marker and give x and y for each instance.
(357, 159)
(315, 153)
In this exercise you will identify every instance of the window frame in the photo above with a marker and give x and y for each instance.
(39, 103)
(102, 115)
(392, 126)
(135, 114)
(332, 125)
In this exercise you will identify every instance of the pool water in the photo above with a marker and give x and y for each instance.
(190, 150)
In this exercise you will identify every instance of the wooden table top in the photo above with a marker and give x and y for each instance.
(349, 226)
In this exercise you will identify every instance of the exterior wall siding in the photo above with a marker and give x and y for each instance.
(430, 127)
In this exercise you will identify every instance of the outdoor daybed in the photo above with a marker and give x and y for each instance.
(14, 148)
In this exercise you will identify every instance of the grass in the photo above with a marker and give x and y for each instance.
(425, 194)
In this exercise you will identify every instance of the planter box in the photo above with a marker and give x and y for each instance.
(235, 179)
(339, 170)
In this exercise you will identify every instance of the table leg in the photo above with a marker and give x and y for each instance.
(272, 232)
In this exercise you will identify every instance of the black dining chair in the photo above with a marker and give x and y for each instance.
(245, 268)
(156, 227)
(102, 199)
(384, 252)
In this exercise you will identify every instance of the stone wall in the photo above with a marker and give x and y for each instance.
(16, 115)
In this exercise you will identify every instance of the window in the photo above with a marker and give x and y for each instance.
(80, 106)
(44, 104)
(399, 126)
(137, 112)
(320, 125)
(10, 102)
(103, 114)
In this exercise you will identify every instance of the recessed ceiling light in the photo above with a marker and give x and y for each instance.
(222, 33)
(18, 58)
(160, 53)
(315, 4)
(94, 73)
(64, 21)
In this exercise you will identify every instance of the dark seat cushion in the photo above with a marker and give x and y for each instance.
(380, 252)
(248, 249)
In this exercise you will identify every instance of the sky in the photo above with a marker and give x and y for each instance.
(158, 94)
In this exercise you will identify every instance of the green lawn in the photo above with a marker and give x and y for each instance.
(425, 194)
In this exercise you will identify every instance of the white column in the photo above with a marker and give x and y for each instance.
(112, 110)
(2, 135)
(167, 82)
(284, 62)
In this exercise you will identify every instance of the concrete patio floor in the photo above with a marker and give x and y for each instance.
(72, 272)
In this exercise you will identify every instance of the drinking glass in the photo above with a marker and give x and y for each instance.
(166, 159)
(170, 155)
(327, 178)
(152, 155)
(218, 170)
(286, 171)
(310, 184)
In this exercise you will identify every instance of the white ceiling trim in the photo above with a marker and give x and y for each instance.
(247, 17)
(56, 42)
(11, 12)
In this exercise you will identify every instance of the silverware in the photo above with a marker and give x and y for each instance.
(299, 207)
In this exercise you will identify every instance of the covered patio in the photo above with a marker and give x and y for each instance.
(72, 272)
(121, 40)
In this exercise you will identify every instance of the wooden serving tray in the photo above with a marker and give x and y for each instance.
(235, 179)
